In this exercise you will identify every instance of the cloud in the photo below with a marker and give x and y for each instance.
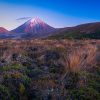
(23, 18)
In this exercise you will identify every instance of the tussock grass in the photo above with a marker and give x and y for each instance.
(80, 58)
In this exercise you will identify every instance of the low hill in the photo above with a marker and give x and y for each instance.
(3, 30)
(89, 30)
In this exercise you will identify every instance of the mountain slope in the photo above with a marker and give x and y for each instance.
(34, 27)
(90, 30)
(3, 30)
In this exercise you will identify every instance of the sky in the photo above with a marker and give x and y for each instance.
(57, 13)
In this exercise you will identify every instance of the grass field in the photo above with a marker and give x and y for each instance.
(50, 69)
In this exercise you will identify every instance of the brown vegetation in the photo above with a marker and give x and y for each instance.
(49, 69)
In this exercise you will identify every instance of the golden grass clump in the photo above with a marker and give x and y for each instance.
(80, 58)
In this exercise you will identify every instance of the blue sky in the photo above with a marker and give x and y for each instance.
(57, 13)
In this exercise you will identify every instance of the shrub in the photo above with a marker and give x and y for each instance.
(51, 55)
(21, 88)
(85, 94)
(11, 67)
(4, 93)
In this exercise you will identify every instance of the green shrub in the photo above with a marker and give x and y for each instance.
(21, 88)
(4, 93)
(10, 67)
(85, 94)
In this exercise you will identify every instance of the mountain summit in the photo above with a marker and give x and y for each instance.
(35, 27)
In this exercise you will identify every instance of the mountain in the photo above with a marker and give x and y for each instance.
(4, 33)
(89, 30)
(3, 30)
(34, 28)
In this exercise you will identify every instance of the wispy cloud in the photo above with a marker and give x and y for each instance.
(23, 18)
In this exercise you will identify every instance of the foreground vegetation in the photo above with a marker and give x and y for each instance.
(49, 70)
